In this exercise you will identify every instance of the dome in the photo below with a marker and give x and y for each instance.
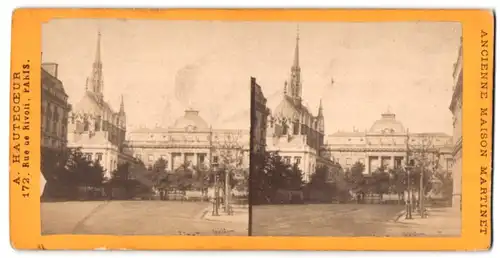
(387, 124)
(190, 119)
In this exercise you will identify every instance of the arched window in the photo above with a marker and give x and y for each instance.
(85, 125)
(296, 127)
(284, 127)
(97, 124)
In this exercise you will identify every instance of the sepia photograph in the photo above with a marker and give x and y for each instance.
(145, 127)
(357, 130)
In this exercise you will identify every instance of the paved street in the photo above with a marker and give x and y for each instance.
(331, 220)
(134, 218)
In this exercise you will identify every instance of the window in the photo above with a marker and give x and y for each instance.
(297, 160)
(85, 125)
(296, 127)
(89, 156)
(99, 156)
(215, 159)
(287, 160)
(151, 157)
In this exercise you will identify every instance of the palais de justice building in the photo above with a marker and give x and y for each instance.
(191, 141)
(385, 145)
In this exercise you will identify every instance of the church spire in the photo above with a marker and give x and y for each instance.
(295, 86)
(320, 109)
(296, 56)
(122, 105)
(98, 48)
(96, 79)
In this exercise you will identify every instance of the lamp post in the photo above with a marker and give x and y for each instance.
(421, 193)
(227, 192)
(215, 210)
(408, 172)
(409, 202)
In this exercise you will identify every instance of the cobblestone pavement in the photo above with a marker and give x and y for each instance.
(350, 220)
(240, 215)
(440, 222)
(133, 218)
(323, 219)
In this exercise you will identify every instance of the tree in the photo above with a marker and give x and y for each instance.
(160, 177)
(398, 181)
(294, 178)
(121, 178)
(357, 181)
(319, 184)
(183, 178)
(121, 173)
(424, 157)
(58, 181)
(269, 174)
(83, 171)
(380, 182)
(230, 152)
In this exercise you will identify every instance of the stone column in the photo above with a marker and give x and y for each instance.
(367, 164)
(379, 161)
(393, 164)
(172, 159)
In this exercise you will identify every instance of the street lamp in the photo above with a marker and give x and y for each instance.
(215, 209)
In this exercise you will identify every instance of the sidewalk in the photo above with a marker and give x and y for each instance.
(439, 222)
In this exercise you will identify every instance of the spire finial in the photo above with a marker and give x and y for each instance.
(296, 56)
(320, 109)
(388, 110)
(98, 48)
(96, 79)
(122, 105)
(298, 32)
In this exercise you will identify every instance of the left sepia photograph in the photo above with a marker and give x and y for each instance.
(145, 128)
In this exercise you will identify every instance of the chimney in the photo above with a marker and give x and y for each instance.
(51, 68)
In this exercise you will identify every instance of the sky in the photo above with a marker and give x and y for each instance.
(164, 67)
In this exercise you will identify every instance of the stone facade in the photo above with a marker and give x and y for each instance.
(259, 118)
(293, 130)
(55, 109)
(190, 140)
(94, 126)
(385, 145)
(456, 109)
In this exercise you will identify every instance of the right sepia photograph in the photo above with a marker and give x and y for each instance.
(357, 130)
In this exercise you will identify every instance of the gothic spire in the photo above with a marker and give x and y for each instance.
(296, 56)
(122, 105)
(320, 109)
(96, 80)
(295, 86)
(98, 48)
